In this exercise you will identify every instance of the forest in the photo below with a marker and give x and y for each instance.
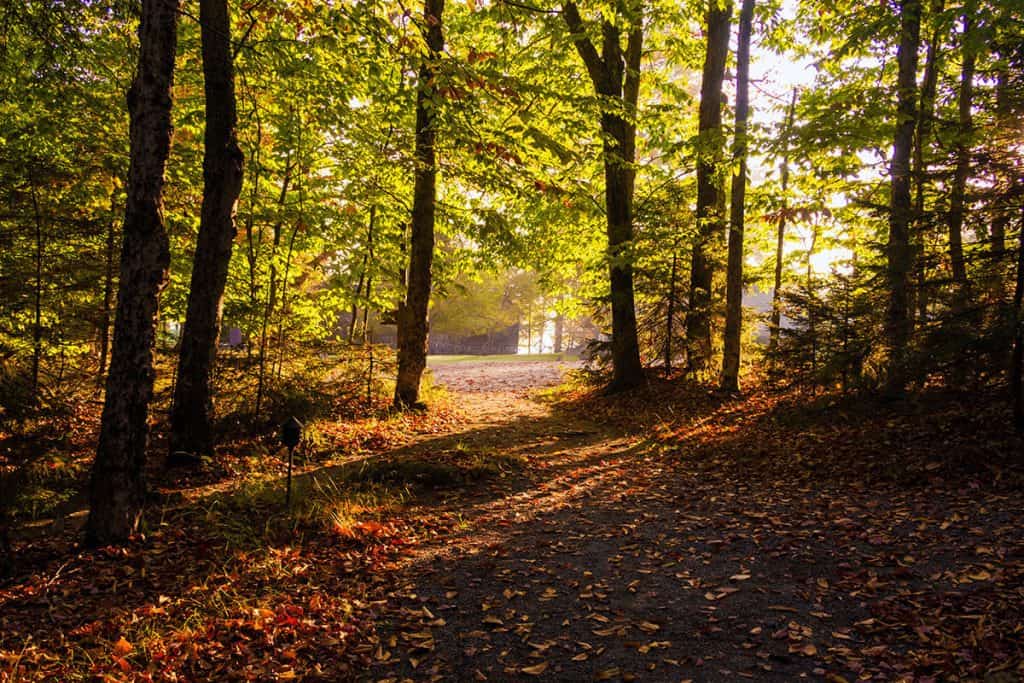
(747, 280)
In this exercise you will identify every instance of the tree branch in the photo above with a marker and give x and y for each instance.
(588, 53)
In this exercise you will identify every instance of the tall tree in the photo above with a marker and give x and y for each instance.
(775, 324)
(615, 75)
(108, 295)
(734, 269)
(958, 190)
(1016, 375)
(118, 485)
(1004, 118)
(710, 218)
(922, 136)
(192, 413)
(412, 313)
(898, 253)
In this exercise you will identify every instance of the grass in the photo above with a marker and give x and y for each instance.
(503, 358)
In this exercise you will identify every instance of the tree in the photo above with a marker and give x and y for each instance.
(734, 269)
(710, 218)
(775, 323)
(192, 409)
(118, 485)
(958, 191)
(615, 75)
(412, 313)
(1016, 374)
(898, 321)
(922, 139)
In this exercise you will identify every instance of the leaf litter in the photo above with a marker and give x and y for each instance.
(625, 547)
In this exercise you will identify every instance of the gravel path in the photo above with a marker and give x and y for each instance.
(498, 376)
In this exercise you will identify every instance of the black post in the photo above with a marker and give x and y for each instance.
(291, 435)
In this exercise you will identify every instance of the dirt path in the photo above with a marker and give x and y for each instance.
(602, 560)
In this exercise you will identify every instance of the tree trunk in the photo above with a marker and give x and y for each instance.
(734, 271)
(268, 309)
(1002, 215)
(192, 416)
(559, 332)
(251, 238)
(118, 486)
(363, 277)
(355, 302)
(958, 191)
(616, 75)
(1017, 357)
(670, 314)
(412, 313)
(369, 277)
(529, 328)
(780, 241)
(898, 254)
(37, 324)
(108, 295)
(812, 321)
(283, 316)
(710, 221)
(923, 127)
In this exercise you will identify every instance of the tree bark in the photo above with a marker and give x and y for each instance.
(958, 191)
(192, 415)
(1017, 356)
(559, 332)
(369, 278)
(710, 221)
(117, 487)
(898, 326)
(670, 314)
(108, 295)
(268, 309)
(251, 238)
(780, 240)
(1002, 216)
(37, 324)
(616, 75)
(363, 277)
(412, 313)
(918, 307)
(734, 269)
(355, 302)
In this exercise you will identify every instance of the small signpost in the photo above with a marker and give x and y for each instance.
(291, 434)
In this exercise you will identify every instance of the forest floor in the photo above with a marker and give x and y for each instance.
(672, 535)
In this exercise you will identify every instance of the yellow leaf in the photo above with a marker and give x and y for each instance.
(535, 670)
